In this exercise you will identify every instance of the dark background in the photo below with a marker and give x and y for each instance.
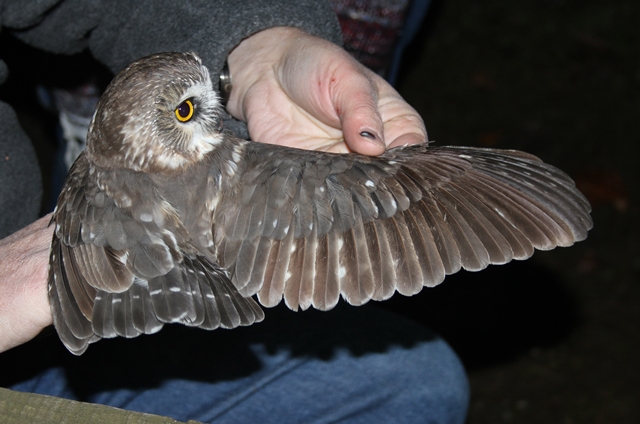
(553, 339)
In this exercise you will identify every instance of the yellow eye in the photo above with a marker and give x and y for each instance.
(184, 111)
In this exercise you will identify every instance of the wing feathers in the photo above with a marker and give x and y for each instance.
(308, 227)
(363, 228)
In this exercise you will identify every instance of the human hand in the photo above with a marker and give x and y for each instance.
(302, 91)
(24, 303)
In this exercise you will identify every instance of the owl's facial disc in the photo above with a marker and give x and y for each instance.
(161, 113)
(191, 121)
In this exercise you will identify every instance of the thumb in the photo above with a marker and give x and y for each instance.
(356, 103)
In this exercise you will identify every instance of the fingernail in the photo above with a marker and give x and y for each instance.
(368, 134)
(372, 136)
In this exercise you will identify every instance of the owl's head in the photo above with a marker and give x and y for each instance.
(160, 113)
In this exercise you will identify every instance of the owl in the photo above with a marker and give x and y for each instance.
(166, 218)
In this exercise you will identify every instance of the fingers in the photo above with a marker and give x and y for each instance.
(306, 92)
(374, 116)
(362, 125)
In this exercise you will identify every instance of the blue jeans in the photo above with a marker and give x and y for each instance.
(358, 365)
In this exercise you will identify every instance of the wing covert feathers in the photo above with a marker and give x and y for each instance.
(320, 226)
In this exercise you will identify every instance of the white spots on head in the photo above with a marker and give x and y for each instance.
(153, 137)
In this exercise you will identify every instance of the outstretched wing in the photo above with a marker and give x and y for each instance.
(113, 275)
(311, 226)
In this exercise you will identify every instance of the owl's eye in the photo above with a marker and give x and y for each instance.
(184, 111)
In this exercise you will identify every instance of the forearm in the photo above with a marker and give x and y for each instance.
(24, 306)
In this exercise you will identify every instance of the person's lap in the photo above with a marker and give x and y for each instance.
(353, 364)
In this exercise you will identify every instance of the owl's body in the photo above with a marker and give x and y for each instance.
(167, 219)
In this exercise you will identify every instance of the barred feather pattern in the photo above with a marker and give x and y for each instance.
(311, 227)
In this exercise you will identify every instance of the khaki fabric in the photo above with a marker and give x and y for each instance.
(23, 408)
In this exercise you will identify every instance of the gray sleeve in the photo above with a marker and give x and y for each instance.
(120, 31)
(20, 183)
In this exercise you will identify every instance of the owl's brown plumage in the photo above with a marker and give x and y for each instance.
(166, 219)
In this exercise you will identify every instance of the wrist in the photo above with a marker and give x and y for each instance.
(24, 305)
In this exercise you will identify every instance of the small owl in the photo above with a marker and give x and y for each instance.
(165, 218)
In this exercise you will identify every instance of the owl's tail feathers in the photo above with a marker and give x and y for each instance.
(196, 293)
